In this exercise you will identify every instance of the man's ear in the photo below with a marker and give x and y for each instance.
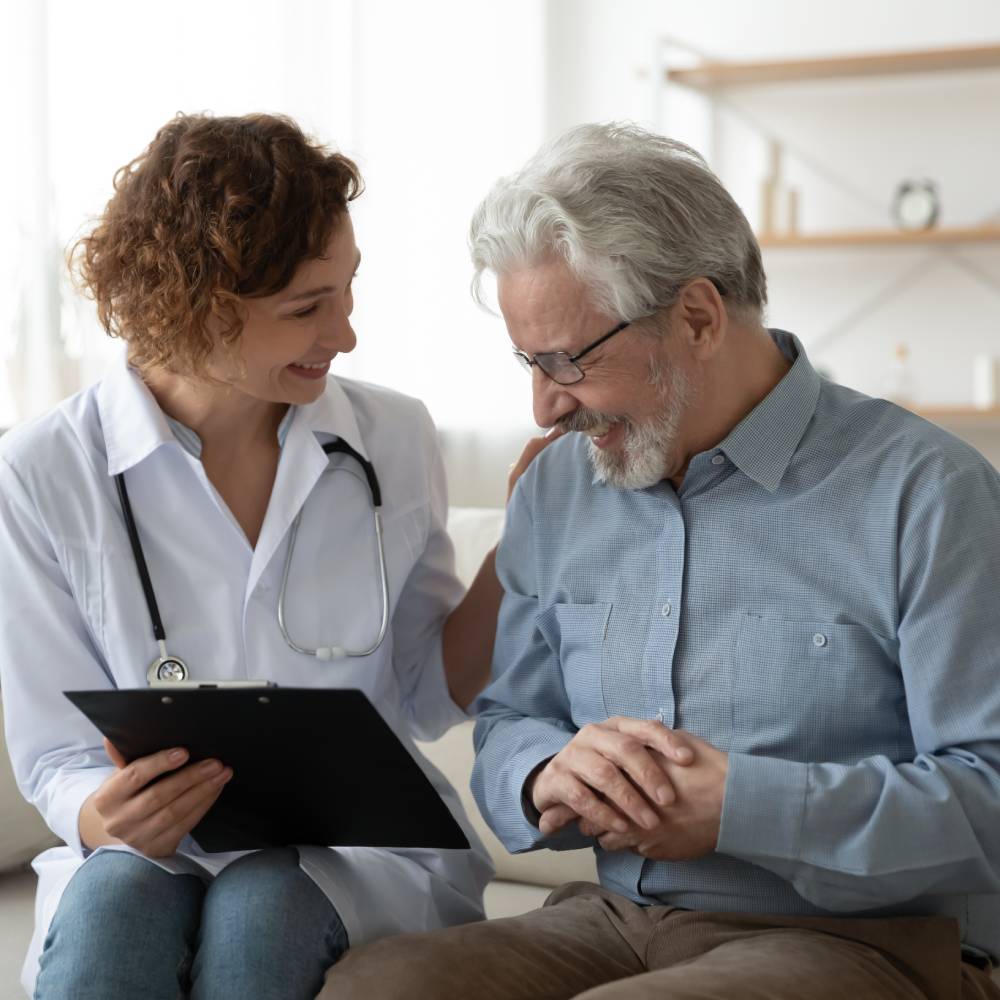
(701, 314)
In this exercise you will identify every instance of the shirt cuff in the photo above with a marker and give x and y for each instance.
(763, 808)
(63, 814)
(502, 798)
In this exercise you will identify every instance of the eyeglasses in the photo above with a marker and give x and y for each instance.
(563, 368)
(560, 366)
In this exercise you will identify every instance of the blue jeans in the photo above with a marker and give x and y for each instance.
(125, 929)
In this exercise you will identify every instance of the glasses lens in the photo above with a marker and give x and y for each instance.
(559, 367)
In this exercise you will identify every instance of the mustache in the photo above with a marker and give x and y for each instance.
(586, 420)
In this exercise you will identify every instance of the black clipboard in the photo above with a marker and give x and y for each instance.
(310, 766)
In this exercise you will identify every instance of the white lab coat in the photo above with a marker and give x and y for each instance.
(73, 617)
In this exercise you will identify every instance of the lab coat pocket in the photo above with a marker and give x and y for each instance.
(803, 690)
(577, 634)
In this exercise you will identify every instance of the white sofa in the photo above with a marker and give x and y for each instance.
(521, 884)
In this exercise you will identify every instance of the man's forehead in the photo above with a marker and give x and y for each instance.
(545, 301)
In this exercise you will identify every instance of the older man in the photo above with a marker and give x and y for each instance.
(798, 583)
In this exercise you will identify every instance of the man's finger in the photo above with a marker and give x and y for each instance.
(570, 791)
(629, 756)
(555, 818)
(613, 841)
(673, 745)
(603, 773)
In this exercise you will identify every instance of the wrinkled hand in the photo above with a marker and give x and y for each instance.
(609, 774)
(154, 818)
(532, 449)
(689, 827)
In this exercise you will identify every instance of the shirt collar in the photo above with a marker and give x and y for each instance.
(762, 444)
(134, 426)
(191, 442)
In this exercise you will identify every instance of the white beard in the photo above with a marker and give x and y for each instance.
(645, 455)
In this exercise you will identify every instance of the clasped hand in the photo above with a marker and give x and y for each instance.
(635, 785)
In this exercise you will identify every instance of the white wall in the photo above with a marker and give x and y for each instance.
(870, 133)
(446, 99)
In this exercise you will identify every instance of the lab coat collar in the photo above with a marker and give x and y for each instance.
(332, 416)
(134, 426)
(131, 420)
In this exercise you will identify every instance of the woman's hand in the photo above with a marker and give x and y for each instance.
(532, 449)
(151, 818)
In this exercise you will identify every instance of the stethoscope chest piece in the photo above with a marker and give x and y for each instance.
(166, 670)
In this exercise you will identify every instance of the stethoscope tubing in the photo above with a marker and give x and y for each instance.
(171, 668)
(336, 652)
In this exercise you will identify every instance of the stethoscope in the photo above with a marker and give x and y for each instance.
(167, 668)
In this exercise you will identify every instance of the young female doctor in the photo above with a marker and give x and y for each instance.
(224, 260)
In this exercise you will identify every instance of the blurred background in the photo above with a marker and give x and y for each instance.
(839, 158)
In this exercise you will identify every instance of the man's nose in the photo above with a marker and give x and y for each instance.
(549, 400)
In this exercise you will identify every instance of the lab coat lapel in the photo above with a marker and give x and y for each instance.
(302, 462)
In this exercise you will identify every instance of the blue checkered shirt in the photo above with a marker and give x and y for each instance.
(821, 599)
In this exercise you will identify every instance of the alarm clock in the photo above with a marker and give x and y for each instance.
(915, 205)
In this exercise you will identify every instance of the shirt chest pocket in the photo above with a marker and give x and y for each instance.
(576, 633)
(809, 690)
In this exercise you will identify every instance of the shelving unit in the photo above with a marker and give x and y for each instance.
(731, 74)
(717, 82)
(949, 236)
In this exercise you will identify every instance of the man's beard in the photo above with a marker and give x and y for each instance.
(647, 451)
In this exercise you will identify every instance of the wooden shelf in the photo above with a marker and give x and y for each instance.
(883, 238)
(730, 74)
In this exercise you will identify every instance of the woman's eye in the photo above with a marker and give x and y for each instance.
(305, 312)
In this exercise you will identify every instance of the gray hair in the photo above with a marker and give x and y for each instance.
(635, 215)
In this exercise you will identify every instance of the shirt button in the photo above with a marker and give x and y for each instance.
(718, 460)
(819, 640)
(666, 609)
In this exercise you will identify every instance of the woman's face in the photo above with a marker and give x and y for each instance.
(290, 338)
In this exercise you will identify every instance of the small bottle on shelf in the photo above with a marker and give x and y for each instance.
(898, 385)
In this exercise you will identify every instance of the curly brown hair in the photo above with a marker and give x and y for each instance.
(215, 210)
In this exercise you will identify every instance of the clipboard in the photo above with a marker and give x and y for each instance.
(310, 765)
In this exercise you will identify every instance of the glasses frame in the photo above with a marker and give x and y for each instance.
(528, 361)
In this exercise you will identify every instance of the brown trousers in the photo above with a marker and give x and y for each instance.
(589, 943)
